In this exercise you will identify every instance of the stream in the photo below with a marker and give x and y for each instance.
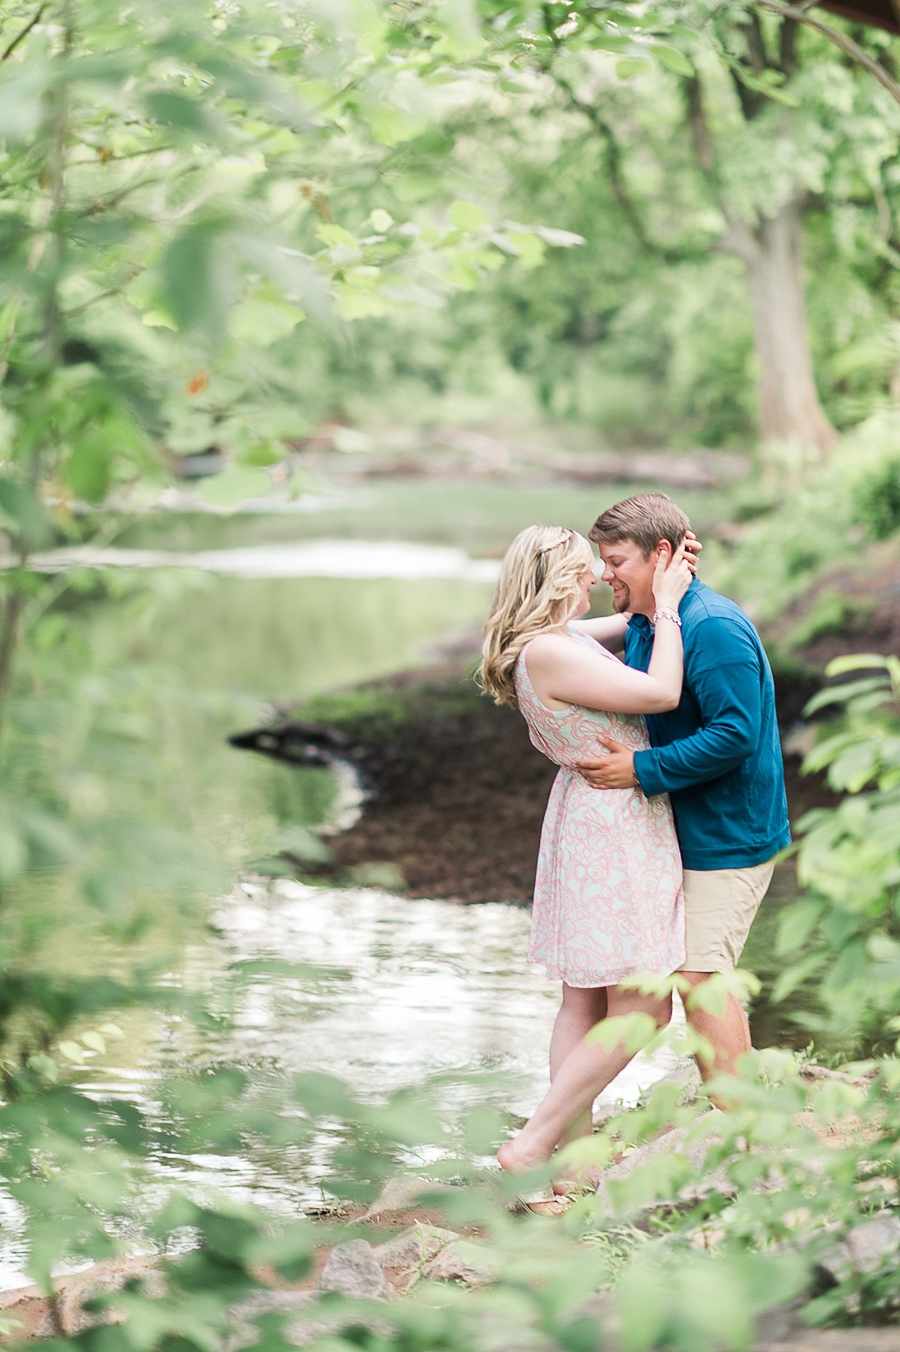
(398, 990)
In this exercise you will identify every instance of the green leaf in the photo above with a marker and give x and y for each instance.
(179, 112)
(44, 1065)
(467, 216)
(263, 322)
(106, 436)
(21, 107)
(633, 1031)
(795, 925)
(72, 1052)
(838, 666)
(22, 514)
(629, 66)
(353, 303)
(838, 694)
(789, 980)
(672, 59)
(390, 126)
(559, 239)
(462, 32)
(197, 280)
(381, 221)
(463, 275)
(95, 1041)
(531, 249)
(333, 235)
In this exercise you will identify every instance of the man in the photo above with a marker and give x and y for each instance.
(717, 755)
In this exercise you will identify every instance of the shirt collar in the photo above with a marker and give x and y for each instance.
(642, 624)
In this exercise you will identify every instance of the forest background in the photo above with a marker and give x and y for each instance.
(607, 228)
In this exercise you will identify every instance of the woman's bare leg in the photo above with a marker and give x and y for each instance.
(587, 1069)
(580, 1010)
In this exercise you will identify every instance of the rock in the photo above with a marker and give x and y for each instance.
(309, 1329)
(353, 1269)
(687, 1078)
(414, 1247)
(837, 1340)
(32, 1316)
(398, 1194)
(782, 1323)
(462, 1261)
(243, 1333)
(863, 1249)
(671, 1144)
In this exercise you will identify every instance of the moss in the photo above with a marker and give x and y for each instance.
(372, 714)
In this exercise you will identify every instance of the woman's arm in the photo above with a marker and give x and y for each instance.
(563, 672)
(609, 630)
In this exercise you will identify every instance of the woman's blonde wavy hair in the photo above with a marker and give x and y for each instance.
(538, 584)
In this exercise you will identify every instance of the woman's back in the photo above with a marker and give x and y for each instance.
(607, 895)
(571, 734)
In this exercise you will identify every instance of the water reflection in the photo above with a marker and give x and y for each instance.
(421, 988)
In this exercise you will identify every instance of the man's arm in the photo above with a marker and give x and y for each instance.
(724, 678)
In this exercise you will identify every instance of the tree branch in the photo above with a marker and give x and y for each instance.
(617, 179)
(24, 33)
(840, 39)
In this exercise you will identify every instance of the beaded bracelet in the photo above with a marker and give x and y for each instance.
(666, 613)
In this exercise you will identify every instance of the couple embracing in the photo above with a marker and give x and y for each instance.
(669, 807)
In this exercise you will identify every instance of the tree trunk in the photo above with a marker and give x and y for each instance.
(789, 406)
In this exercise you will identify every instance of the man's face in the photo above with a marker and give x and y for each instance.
(630, 575)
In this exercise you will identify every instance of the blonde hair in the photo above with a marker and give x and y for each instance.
(538, 584)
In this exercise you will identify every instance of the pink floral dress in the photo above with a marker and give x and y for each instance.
(608, 898)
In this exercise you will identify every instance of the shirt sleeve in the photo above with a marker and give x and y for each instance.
(722, 669)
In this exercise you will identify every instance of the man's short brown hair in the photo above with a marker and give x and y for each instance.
(646, 519)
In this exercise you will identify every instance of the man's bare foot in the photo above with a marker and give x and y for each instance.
(541, 1202)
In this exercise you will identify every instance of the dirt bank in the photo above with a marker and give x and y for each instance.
(457, 791)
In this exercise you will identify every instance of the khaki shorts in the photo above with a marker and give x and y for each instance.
(719, 906)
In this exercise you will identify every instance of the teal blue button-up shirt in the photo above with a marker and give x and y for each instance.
(717, 755)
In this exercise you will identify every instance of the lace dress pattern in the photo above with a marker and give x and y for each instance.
(608, 897)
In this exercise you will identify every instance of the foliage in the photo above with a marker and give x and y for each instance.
(761, 1199)
(848, 925)
(647, 332)
(193, 197)
(801, 519)
(171, 180)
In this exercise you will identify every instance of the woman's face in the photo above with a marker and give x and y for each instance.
(582, 602)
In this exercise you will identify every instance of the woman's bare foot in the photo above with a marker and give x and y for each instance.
(577, 1178)
(515, 1161)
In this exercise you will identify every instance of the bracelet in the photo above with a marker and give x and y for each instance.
(667, 613)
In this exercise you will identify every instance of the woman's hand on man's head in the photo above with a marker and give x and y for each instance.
(692, 548)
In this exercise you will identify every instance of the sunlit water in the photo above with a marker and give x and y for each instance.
(390, 993)
(306, 558)
(402, 991)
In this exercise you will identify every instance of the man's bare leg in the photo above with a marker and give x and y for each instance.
(729, 1035)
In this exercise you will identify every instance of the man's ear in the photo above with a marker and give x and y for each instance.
(664, 548)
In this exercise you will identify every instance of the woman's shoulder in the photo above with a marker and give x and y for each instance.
(552, 648)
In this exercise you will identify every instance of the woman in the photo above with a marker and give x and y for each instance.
(608, 899)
